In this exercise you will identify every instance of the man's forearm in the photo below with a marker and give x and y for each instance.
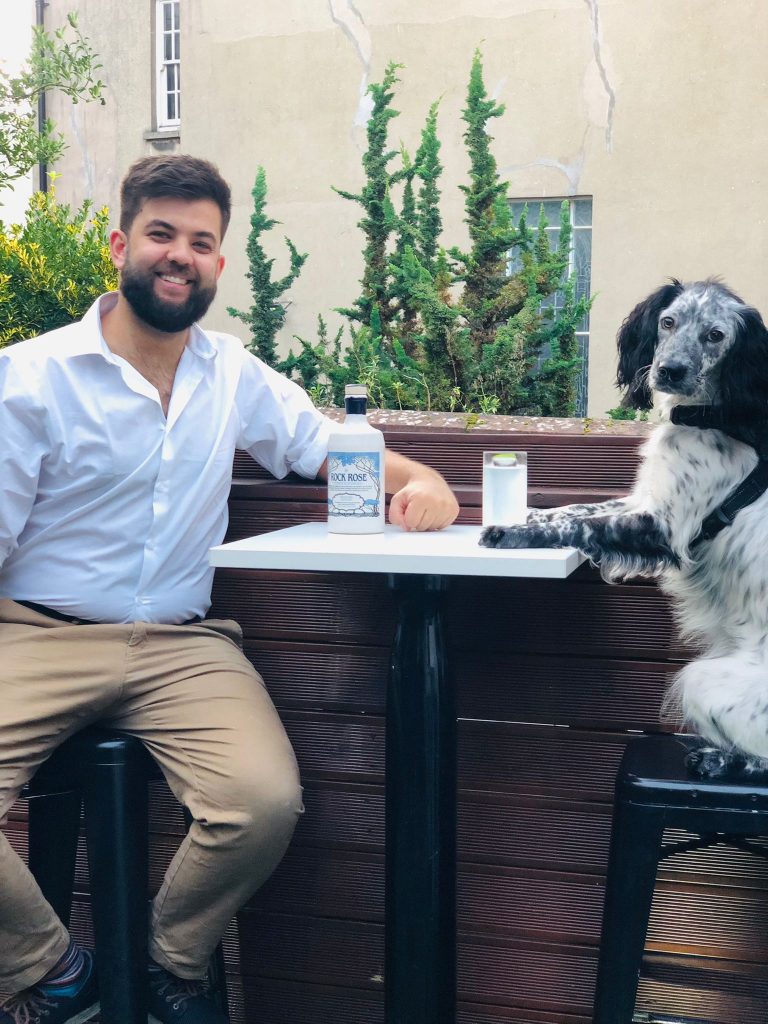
(399, 471)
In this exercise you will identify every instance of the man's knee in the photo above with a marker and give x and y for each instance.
(249, 815)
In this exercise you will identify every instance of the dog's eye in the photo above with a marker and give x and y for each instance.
(667, 322)
(715, 335)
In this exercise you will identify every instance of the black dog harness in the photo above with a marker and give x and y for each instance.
(708, 417)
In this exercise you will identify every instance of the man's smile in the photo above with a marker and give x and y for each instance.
(175, 284)
(174, 280)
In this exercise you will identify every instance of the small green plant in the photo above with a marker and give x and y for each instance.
(622, 413)
(52, 267)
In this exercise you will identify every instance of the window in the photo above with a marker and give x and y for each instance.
(168, 65)
(580, 264)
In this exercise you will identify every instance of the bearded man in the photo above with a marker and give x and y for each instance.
(118, 438)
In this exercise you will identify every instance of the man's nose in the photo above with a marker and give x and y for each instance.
(180, 252)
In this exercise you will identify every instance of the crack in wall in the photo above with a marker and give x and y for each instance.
(570, 170)
(592, 6)
(352, 24)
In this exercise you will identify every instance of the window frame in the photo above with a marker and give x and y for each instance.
(163, 122)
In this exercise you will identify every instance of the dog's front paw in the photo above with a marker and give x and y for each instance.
(504, 537)
(714, 762)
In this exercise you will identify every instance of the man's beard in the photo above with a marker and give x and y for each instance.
(138, 287)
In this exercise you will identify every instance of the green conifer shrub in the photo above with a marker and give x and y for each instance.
(445, 328)
(267, 313)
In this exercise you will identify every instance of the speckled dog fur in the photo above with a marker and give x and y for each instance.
(693, 344)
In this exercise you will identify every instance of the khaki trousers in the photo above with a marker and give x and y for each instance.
(195, 701)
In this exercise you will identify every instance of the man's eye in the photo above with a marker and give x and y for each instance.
(667, 322)
(715, 335)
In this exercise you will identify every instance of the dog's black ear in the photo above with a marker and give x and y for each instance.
(744, 370)
(636, 342)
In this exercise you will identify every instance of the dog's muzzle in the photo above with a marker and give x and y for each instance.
(674, 377)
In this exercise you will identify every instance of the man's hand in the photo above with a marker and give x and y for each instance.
(422, 500)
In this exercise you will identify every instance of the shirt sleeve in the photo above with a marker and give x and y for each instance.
(279, 425)
(22, 447)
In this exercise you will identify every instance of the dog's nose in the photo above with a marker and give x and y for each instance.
(671, 373)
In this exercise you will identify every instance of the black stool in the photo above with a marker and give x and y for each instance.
(654, 791)
(111, 770)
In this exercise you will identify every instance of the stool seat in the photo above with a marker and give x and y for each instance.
(68, 765)
(654, 770)
(655, 790)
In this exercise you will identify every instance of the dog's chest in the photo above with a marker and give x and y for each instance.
(689, 472)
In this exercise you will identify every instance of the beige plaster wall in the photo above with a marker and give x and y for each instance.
(653, 107)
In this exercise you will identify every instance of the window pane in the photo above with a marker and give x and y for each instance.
(176, 45)
(582, 212)
(176, 15)
(167, 17)
(582, 259)
(172, 114)
(171, 80)
(551, 211)
(167, 46)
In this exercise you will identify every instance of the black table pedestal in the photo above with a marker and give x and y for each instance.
(420, 942)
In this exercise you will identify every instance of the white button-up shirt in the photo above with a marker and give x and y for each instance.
(107, 508)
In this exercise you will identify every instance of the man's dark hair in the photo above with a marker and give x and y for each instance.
(177, 177)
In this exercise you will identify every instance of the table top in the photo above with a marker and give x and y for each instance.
(451, 552)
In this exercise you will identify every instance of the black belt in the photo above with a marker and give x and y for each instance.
(75, 620)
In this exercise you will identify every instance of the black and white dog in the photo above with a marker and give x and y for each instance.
(705, 353)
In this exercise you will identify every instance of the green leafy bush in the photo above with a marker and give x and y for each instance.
(52, 267)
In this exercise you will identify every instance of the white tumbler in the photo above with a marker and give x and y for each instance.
(505, 488)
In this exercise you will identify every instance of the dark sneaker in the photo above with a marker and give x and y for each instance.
(173, 1000)
(38, 1006)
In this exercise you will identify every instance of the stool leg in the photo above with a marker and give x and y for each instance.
(634, 855)
(217, 977)
(54, 825)
(116, 829)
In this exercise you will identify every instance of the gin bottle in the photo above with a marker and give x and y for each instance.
(356, 494)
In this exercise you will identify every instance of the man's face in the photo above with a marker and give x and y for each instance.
(170, 261)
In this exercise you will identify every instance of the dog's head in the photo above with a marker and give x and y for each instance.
(699, 342)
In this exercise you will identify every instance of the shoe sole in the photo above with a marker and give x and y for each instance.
(84, 1015)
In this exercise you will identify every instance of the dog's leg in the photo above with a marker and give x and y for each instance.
(726, 701)
(556, 515)
(629, 544)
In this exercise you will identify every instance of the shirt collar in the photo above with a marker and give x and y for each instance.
(90, 340)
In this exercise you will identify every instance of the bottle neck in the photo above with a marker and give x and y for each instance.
(355, 406)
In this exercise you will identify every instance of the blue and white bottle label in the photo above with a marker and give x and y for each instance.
(354, 484)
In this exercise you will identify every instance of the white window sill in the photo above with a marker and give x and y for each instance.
(168, 134)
